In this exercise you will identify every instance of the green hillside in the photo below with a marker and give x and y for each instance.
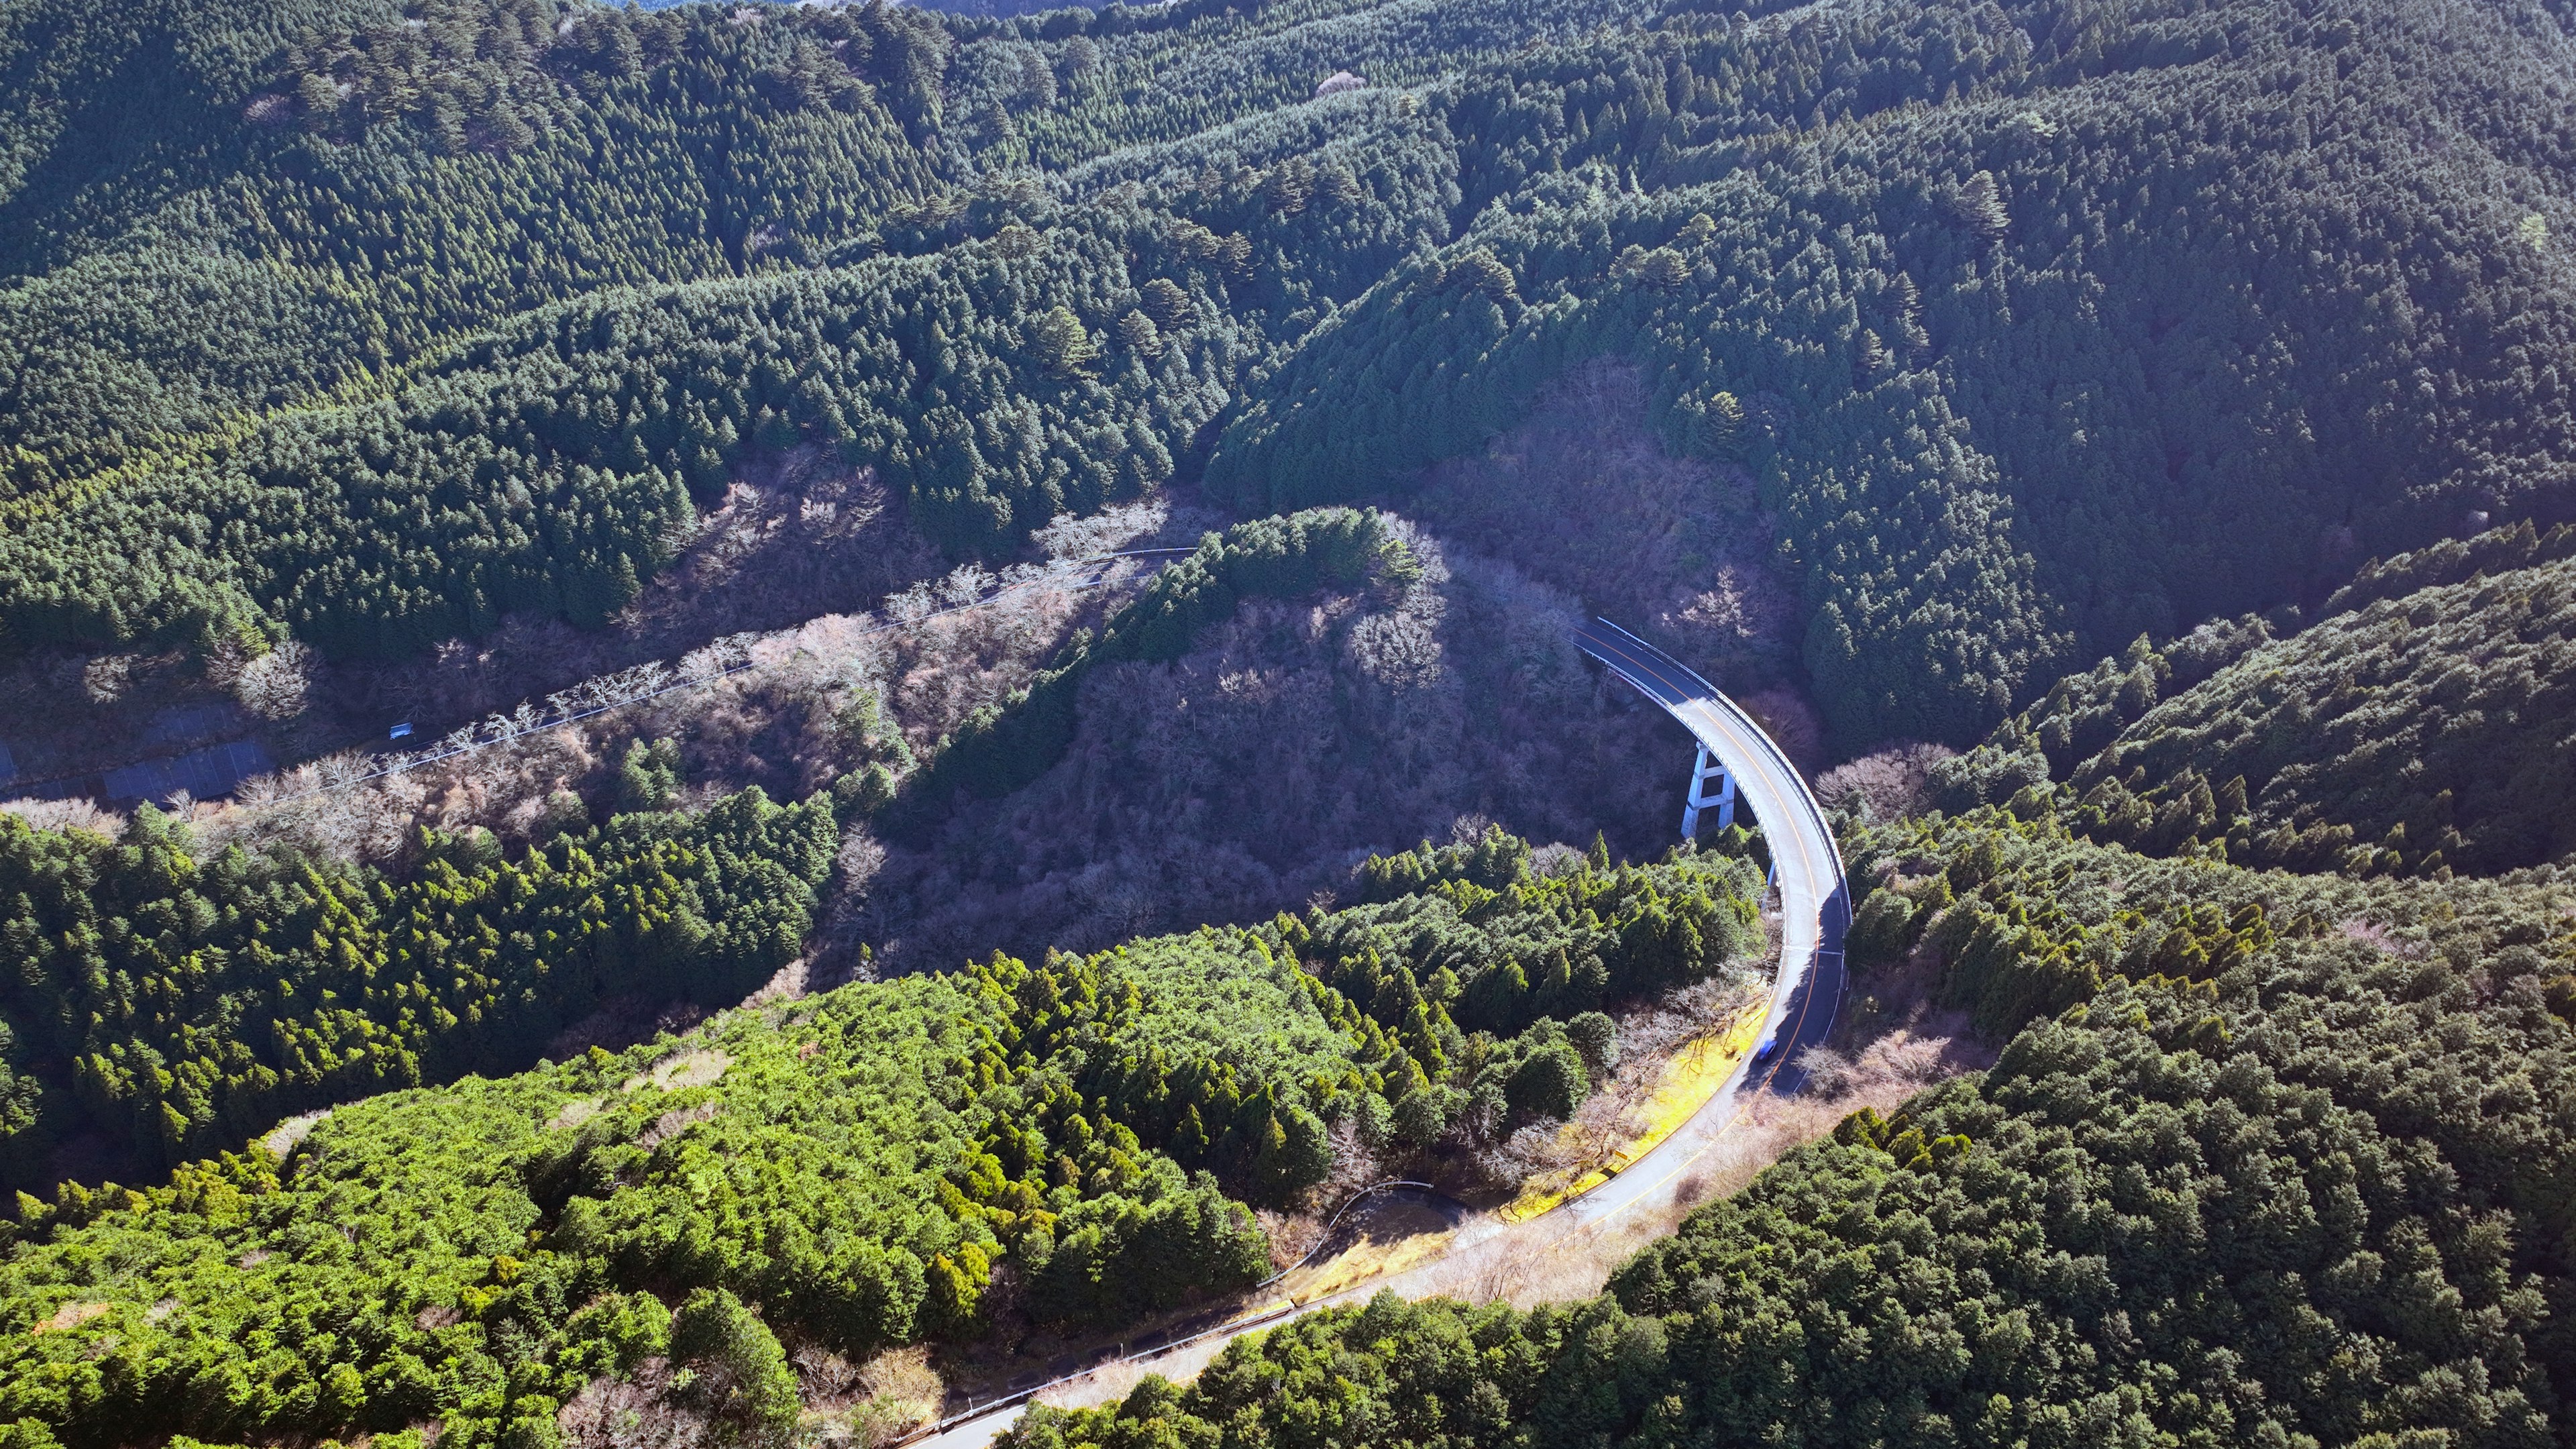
(1888, 359)
(2012, 408)
(214, 213)
(1065, 1145)
(2275, 1160)
(1919, 268)
(178, 1006)
(2420, 727)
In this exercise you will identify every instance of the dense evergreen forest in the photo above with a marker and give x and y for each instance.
(189, 1004)
(181, 1004)
(1070, 1142)
(2419, 727)
(2037, 326)
(1950, 344)
(2269, 1159)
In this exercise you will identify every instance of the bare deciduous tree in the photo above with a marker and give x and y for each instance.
(275, 685)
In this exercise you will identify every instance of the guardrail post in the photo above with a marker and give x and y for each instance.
(1699, 799)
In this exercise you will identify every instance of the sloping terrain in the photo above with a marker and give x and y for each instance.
(2415, 732)
(2035, 328)
(1013, 1150)
(2304, 1178)
(762, 382)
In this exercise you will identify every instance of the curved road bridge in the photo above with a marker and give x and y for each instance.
(1815, 900)
(1815, 910)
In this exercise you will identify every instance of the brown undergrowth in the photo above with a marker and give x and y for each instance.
(1880, 1074)
(1584, 496)
(783, 709)
(1249, 775)
(795, 535)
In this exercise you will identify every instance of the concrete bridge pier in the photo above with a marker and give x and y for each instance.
(1699, 799)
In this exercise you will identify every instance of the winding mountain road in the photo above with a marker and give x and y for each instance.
(1815, 913)
(1815, 900)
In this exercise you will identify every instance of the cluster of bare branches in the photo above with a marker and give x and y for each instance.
(1586, 496)
(789, 709)
(1619, 1110)
(1885, 784)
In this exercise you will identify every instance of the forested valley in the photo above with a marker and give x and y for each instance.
(891, 688)
(1010, 1147)
(2269, 1159)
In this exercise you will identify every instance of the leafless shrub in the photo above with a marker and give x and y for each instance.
(107, 677)
(865, 1408)
(1560, 1267)
(76, 814)
(1292, 1236)
(674, 1122)
(716, 658)
(1711, 1004)
(275, 685)
(1470, 827)
(1585, 495)
(1828, 1071)
(858, 862)
(964, 585)
(2379, 937)
(1108, 1384)
(1557, 859)
(325, 806)
(1617, 1112)
(824, 1379)
(912, 605)
(638, 1412)
(1887, 783)
(1792, 723)
(1744, 609)
(1145, 523)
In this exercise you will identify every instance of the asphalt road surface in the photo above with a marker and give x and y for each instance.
(1815, 901)
(1815, 912)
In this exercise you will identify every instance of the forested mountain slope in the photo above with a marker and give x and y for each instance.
(1003, 1149)
(1300, 691)
(1294, 694)
(2276, 1160)
(177, 1006)
(2029, 371)
(2414, 730)
(214, 212)
(211, 212)
(2037, 326)
(1980, 338)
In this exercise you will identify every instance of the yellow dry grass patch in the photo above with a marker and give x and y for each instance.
(574, 1113)
(1362, 1261)
(689, 1069)
(69, 1316)
(1688, 1079)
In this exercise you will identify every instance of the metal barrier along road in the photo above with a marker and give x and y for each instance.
(1815, 899)
(1815, 913)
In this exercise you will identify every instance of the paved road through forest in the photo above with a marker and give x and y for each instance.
(1815, 901)
(1815, 912)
